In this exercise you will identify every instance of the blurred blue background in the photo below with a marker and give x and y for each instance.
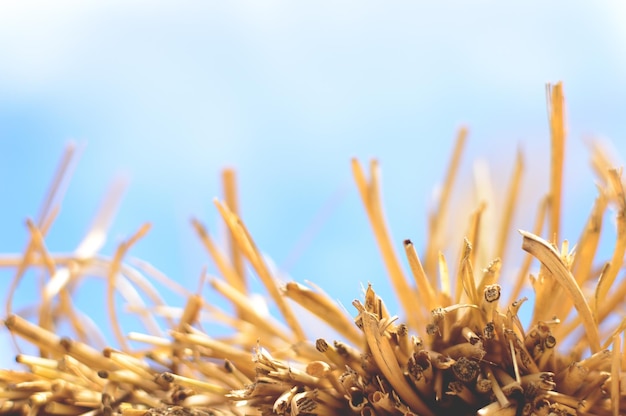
(169, 93)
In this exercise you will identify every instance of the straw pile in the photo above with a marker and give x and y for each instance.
(462, 349)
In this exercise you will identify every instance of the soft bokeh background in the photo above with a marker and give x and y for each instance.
(168, 93)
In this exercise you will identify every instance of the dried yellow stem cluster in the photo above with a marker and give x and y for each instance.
(463, 349)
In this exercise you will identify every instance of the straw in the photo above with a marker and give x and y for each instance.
(459, 348)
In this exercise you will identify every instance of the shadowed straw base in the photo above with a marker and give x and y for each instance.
(461, 350)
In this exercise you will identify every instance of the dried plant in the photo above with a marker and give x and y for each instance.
(462, 350)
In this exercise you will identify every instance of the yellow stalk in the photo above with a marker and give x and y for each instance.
(130, 377)
(224, 266)
(522, 275)
(424, 286)
(386, 361)
(466, 276)
(608, 277)
(229, 185)
(25, 263)
(324, 308)
(48, 342)
(370, 196)
(615, 373)
(550, 258)
(252, 253)
(439, 214)
(587, 245)
(445, 293)
(267, 327)
(509, 207)
(115, 267)
(557, 135)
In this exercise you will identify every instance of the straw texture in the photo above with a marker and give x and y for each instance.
(459, 349)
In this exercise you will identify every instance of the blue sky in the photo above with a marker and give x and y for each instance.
(167, 94)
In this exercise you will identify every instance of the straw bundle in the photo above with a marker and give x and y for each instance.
(462, 350)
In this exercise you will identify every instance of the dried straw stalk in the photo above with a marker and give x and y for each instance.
(462, 349)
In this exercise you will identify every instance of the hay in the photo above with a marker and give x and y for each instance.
(462, 350)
